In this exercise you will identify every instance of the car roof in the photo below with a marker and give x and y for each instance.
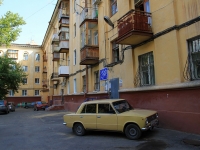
(102, 101)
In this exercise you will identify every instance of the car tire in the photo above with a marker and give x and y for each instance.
(133, 132)
(78, 129)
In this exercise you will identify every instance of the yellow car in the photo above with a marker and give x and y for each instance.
(111, 115)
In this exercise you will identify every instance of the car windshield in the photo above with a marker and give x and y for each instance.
(1, 102)
(122, 106)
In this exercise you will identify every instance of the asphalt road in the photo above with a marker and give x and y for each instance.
(26, 129)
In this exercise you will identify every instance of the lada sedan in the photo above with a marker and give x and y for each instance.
(111, 115)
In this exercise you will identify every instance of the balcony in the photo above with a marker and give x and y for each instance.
(64, 22)
(44, 70)
(54, 76)
(55, 39)
(44, 58)
(44, 83)
(64, 9)
(56, 56)
(89, 55)
(89, 14)
(134, 27)
(63, 71)
(64, 46)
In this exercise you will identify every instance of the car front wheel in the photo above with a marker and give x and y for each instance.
(79, 129)
(132, 132)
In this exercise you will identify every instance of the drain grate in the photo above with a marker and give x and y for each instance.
(192, 142)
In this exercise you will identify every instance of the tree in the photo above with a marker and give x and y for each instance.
(11, 75)
(10, 27)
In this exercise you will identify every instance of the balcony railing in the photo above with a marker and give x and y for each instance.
(89, 55)
(134, 27)
(54, 76)
(88, 13)
(55, 38)
(64, 46)
(63, 71)
(55, 49)
(45, 83)
(44, 58)
(44, 70)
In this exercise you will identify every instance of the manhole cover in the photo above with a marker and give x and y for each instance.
(192, 142)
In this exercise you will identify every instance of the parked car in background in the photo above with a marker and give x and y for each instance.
(29, 104)
(11, 106)
(40, 105)
(4, 106)
(111, 115)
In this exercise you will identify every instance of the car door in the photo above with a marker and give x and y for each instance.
(106, 117)
(88, 116)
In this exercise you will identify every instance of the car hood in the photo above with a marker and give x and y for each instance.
(139, 112)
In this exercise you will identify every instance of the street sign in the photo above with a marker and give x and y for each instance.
(104, 74)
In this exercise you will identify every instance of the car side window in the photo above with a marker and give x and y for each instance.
(90, 108)
(105, 108)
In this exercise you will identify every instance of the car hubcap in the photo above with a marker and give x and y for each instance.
(79, 129)
(132, 132)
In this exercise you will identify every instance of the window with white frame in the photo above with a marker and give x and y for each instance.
(25, 56)
(75, 86)
(37, 92)
(37, 80)
(12, 53)
(113, 6)
(11, 93)
(25, 68)
(96, 40)
(37, 57)
(146, 69)
(37, 68)
(74, 57)
(194, 58)
(24, 92)
(24, 80)
(96, 81)
(115, 51)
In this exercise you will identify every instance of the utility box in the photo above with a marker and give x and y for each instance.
(114, 89)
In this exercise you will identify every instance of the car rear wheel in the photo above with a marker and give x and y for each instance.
(133, 132)
(79, 129)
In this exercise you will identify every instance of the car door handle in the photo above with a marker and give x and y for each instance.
(98, 116)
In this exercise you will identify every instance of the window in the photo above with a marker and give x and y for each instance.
(11, 93)
(105, 108)
(194, 58)
(37, 69)
(74, 57)
(74, 5)
(68, 87)
(37, 57)
(115, 50)
(25, 68)
(113, 5)
(74, 30)
(74, 85)
(24, 92)
(84, 84)
(90, 108)
(12, 53)
(37, 92)
(25, 56)
(37, 80)
(146, 69)
(64, 35)
(25, 80)
(96, 81)
(96, 42)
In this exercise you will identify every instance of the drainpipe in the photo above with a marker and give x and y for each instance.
(86, 80)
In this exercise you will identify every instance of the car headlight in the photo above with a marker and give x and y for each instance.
(156, 115)
(146, 121)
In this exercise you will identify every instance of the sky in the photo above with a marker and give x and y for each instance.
(36, 14)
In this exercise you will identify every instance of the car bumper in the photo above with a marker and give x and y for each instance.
(151, 125)
(3, 109)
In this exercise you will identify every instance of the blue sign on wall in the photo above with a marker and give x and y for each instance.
(104, 74)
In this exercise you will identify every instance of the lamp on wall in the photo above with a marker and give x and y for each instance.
(108, 21)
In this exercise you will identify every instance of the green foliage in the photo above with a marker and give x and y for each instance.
(11, 76)
(10, 27)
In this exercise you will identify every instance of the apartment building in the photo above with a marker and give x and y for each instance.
(145, 51)
(31, 59)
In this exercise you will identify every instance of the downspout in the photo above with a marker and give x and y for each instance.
(86, 81)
